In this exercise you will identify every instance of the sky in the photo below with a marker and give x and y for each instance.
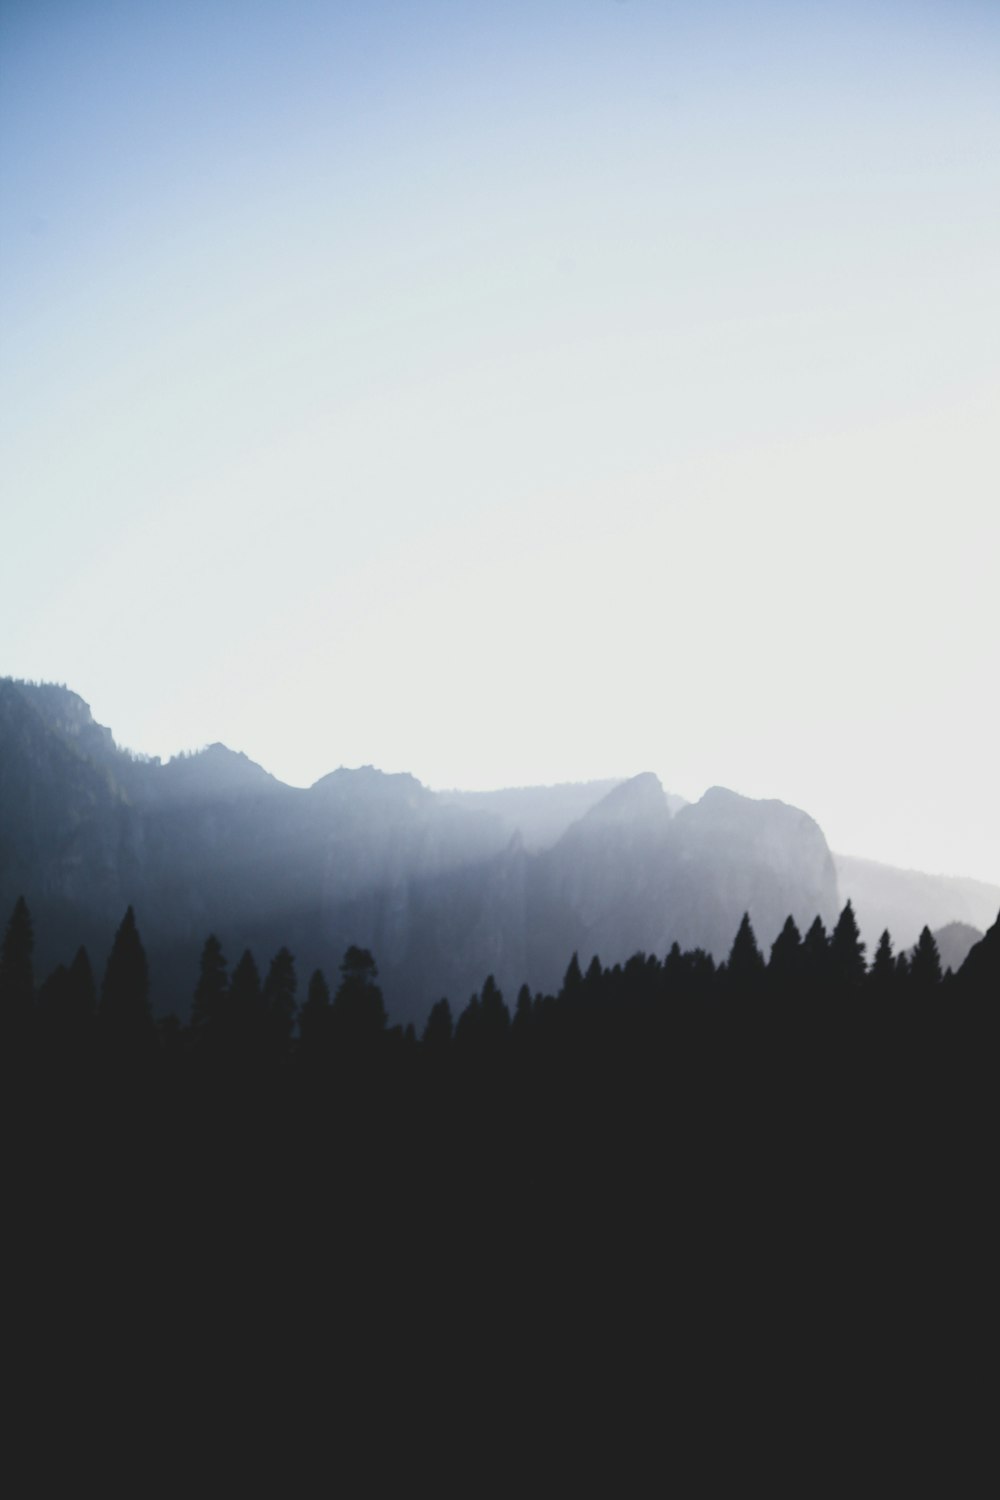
(513, 393)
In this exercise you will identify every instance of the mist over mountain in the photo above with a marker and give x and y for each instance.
(444, 887)
(904, 901)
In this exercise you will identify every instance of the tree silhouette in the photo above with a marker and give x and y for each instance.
(208, 1007)
(278, 1003)
(315, 1016)
(124, 1007)
(17, 980)
(572, 980)
(243, 1009)
(882, 974)
(785, 965)
(494, 1014)
(816, 955)
(83, 989)
(359, 1015)
(439, 1028)
(469, 1027)
(847, 951)
(745, 965)
(925, 964)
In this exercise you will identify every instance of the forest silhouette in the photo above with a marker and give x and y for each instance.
(784, 1157)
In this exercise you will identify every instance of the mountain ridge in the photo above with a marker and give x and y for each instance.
(443, 886)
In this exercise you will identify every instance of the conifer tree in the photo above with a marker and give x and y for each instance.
(278, 1002)
(82, 986)
(314, 1017)
(359, 1015)
(210, 991)
(468, 1027)
(816, 955)
(17, 981)
(925, 964)
(495, 1016)
(124, 1009)
(439, 1029)
(785, 965)
(674, 971)
(847, 951)
(745, 965)
(572, 980)
(243, 1011)
(883, 970)
(520, 1026)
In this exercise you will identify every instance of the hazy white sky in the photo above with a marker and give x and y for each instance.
(516, 392)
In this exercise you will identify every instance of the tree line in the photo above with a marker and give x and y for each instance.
(241, 1017)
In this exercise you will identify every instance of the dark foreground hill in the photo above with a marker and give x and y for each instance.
(443, 887)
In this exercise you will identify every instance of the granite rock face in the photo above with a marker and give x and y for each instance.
(444, 888)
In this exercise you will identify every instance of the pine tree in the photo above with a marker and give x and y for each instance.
(243, 1010)
(314, 1017)
(882, 974)
(83, 987)
(210, 991)
(17, 980)
(572, 980)
(925, 964)
(520, 1026)
(785, 965)
(358, 1007)
(816, 956)
(495, 1015)
(468, 1027)
(278, 1002)
(439, 1029)
(124, 1009)
(745, 965)
(847, 951)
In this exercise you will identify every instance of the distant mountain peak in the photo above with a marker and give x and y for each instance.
(367, 786)
(214, 771)
(637, 800)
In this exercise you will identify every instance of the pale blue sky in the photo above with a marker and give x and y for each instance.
(516, 392)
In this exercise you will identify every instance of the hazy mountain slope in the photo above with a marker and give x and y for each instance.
(982, 966)
(437, 885)
(739, 854)
(955, 942)
(542, 814)
(905, 901)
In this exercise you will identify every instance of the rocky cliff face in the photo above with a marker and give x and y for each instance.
(443, 889)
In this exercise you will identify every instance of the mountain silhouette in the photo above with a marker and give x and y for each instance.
(444, 887)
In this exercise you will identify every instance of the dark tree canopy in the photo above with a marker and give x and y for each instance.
(359, 1014)
(816, 954)
(786, 953)
(210, 991)
(124, 1007)
(439, 1028)
(278, 1000)
(925, 962)
(883, 970)
(17, 980)
(314, 1017)
(746, 962)
(847, 951)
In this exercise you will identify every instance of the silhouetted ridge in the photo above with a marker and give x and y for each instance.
(216, 772)
(982, 966)
(366, 786)
(641, 799)
(954, 942)
(68, 715)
